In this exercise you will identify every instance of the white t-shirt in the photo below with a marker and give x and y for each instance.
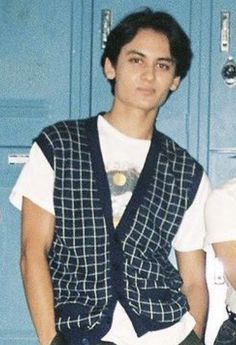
(123, 158)
(220, 217)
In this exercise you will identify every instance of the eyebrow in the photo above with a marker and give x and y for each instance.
(166, 59)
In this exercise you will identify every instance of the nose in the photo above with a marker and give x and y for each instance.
(149, 73)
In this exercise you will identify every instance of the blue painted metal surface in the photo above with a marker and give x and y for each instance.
(222, 130)
(36, 61)
(50, 70)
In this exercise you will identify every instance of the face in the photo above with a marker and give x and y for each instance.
(144, 73)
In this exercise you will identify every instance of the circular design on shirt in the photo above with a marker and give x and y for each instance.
(119, 179)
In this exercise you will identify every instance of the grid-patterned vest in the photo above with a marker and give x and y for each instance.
(92, 264)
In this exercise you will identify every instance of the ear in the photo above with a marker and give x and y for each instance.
(109, 70)
(175, 84)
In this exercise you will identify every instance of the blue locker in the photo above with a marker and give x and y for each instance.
(40, 55)
(222, 128)
(50, 70)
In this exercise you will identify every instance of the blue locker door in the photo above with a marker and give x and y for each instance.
(38, 60)
(35, 67)
(222, 141)
(181, 111)
(222, 154)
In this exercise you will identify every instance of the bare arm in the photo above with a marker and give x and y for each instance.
(226, 252)
(37, 234)
(192, 270)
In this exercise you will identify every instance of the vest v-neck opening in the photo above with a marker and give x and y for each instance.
(103, 184)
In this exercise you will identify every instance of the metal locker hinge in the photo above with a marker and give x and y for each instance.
(105, 26)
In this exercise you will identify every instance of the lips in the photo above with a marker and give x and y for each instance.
(146, 91)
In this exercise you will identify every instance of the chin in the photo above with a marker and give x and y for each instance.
(148, 109)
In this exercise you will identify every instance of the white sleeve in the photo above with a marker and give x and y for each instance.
(36, 182)
(220, 213)
(192, 233)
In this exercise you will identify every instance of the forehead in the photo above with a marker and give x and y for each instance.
(149, 42)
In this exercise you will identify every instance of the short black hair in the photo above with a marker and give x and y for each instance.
(162, 22)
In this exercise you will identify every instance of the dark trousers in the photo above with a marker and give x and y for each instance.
(226, 334)
(192, 339)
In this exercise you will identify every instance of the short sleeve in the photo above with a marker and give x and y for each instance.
(220, 213)
(192, 231)
(36, 181)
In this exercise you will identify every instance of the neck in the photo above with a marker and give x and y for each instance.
(137, 124)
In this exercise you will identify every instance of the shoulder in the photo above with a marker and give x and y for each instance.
(220, 213)
(57, 133)
(185, 168)
(229, 187)
(62, 129)
(180, 157)
(225, 193)
(59, 136)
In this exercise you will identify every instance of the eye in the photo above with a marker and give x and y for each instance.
(163, 66)
(136, 60)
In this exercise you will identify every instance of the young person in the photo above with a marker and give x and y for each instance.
(221, 233)
(104, 201)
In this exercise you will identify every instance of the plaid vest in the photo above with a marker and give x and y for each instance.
(92, 264)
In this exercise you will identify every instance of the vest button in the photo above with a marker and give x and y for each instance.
(85, 341)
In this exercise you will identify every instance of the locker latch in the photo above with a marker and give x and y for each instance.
(225, 31)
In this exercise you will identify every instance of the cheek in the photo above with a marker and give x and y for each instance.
(125, 84)
(166, 86)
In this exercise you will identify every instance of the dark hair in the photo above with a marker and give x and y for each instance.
(127, 29)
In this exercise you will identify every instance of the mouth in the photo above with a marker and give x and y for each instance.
(146, 91)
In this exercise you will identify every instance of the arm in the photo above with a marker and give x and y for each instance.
(192, 270)
(37, 234)
(226, 252)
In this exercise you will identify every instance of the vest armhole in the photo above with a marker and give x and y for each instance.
(197, 177)
(46, 147)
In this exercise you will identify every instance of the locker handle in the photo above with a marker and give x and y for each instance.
(16, 158)
(105, 26)
(225, 31)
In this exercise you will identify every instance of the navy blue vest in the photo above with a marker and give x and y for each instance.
(92, 264)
